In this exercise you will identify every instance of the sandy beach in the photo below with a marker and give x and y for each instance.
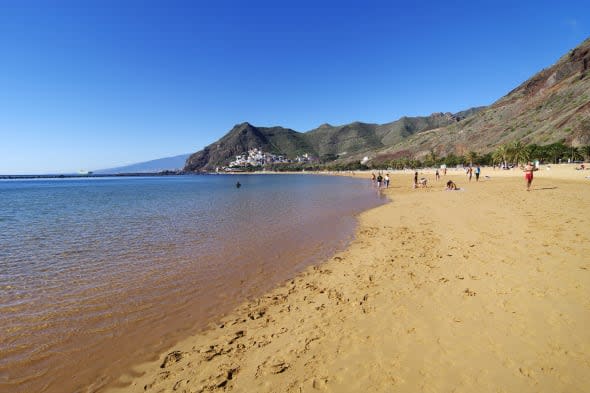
(485, 289)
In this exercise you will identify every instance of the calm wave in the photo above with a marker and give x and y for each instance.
(95, 273)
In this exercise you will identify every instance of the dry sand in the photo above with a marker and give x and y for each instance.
(481, 290)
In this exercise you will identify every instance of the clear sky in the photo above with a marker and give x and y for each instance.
(91, 85)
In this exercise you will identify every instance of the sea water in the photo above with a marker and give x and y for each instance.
(96, 273)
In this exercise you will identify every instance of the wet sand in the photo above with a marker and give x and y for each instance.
(483, 289)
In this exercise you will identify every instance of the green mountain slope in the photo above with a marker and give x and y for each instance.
(326, 142)
(331, 142)
(244, 137)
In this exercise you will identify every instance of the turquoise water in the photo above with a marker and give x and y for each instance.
(96, 272)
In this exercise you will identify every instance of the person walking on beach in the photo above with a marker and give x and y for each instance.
(528, 174)
(437, 175)
(379, 180)
(416, 179)
(477, 171)
(387, 180)
(470, 173)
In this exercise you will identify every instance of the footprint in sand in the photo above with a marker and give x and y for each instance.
(172, 357)
(271, 367)
(469, 292)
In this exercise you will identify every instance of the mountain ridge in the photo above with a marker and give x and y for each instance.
(326, 142)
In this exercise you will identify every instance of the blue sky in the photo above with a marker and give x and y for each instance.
(90, 85)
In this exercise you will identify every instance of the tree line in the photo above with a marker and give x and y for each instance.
(515, 153)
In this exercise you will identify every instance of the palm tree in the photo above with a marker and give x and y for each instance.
(403, 163)
(535, 151)
(471, 157)
(451, 160)
(519, 152)
(576, 153)
(486, 159)
(556, 151)
(500, 155)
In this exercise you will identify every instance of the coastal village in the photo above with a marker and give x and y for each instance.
(255, 157)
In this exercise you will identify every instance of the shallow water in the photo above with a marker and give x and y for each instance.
(97, 273)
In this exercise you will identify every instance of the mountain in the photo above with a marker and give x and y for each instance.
(354, 140)
(241, 138)
(326, 142)
(158, 165)
(552, 106)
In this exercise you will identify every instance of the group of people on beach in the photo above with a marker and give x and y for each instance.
(419, 182)
(469, 171)
(380, 181)
(383, 182)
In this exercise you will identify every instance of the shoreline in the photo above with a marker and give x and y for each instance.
(169, 283)
(263, 172)
(438, 291)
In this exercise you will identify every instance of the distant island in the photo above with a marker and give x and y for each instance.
(153, 166)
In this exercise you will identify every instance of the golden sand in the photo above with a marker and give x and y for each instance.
(481, 290)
